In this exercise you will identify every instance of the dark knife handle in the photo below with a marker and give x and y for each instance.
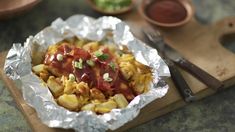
(200, 74)
(181, 84)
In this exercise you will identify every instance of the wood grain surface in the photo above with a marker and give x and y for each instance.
(199, 44)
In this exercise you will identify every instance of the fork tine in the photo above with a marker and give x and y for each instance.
(152, 34)
(155, 38)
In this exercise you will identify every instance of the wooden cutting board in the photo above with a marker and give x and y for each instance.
(199, 44)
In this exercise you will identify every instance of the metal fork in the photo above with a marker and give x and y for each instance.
(155, 40)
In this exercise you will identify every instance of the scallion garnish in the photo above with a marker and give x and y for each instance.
(100, 55)
(107, 78)
(78, 64)
(71, 77)
(90, 62)
(112, 65)
(59, 57)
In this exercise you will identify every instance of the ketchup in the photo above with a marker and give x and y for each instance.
(92, 75)
(166, 11)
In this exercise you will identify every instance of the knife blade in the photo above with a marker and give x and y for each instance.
(177, 58)
(176, 76)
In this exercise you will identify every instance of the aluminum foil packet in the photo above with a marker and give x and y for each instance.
(18, 66)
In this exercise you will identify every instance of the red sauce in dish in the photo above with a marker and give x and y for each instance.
(93, 75)
(166, 11)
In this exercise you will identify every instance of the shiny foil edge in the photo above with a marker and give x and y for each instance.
(18, 67)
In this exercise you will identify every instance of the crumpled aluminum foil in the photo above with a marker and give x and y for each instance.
(18, 67)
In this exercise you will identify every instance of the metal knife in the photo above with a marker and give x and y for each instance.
(173, 55)
(176, 76)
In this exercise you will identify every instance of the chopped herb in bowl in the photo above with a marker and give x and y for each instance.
(112, 6)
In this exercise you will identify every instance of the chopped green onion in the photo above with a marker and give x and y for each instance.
(78, 64)
(101, 55)
(71, 77)
(98, 53)
(107, 78)
(90, 62)
(112, 65)
(112, 5)
(59, 57)
(106, 75)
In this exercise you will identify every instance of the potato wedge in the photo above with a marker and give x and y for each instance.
(55, 87)
(106, 106)
(69, 87)
(44, 76)
(83, 89)
(96, 94)
(39, 68)
(68, 101)
(89, 107)
(120, 100)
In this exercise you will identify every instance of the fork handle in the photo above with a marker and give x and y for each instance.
(181, 84)
(200, 74)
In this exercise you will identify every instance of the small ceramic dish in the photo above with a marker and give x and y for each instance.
(145, 4)
(116, 12)
(10, 8)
